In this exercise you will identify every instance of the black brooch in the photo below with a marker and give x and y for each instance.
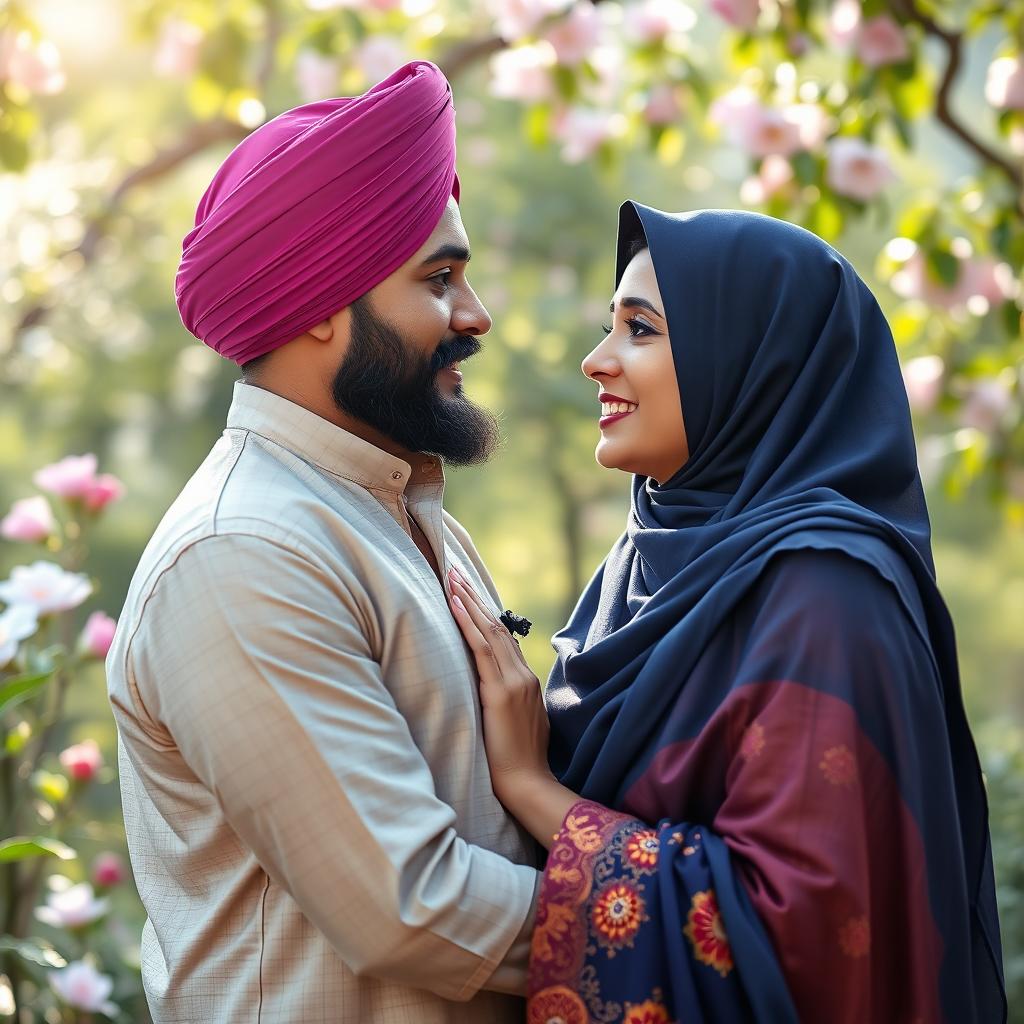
(515, 623)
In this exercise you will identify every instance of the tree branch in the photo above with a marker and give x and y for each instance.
(953, 42)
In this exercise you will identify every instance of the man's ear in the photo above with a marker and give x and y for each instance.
(322, 331)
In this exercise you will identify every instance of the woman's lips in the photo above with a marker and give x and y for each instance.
(605, 421)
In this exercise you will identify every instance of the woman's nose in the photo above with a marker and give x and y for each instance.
(599, 362)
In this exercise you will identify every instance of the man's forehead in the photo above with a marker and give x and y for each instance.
(449, 231)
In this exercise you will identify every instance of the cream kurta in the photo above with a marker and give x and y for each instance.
(305, 790)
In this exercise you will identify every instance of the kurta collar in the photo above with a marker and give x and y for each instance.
(325, 444)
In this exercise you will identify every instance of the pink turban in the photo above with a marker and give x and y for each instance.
(316, 207)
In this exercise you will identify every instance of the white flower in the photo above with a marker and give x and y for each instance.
(16, 624)
(80, 985)
(46, 587)
(73, 907)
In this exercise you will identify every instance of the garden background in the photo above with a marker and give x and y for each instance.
(893, 128)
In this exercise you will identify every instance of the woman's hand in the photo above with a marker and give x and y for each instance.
(515, 719)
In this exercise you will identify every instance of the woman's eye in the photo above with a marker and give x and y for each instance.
(638, 329)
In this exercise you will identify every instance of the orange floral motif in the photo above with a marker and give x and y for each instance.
(553, 929)
(855, 937)
(647, 1012)
(583, 833)
(839, 766)
(705, 930)
(642, 848)
(556, 1005)
(560, 874)
(753, 741)
(618, 912)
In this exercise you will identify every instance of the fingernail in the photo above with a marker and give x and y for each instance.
(457, 601)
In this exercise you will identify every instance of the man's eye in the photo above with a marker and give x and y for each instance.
(442, 278)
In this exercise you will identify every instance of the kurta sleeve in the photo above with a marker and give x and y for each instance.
(257, 663)
(787, 857)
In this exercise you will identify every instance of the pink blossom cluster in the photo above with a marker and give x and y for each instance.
(32, 64)
(876, 41)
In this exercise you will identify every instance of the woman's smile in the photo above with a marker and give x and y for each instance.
(614, 408)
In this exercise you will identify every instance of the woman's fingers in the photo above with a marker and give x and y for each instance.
(483, 651)
(496, 636)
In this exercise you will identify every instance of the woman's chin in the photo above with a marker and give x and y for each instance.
(608, 458)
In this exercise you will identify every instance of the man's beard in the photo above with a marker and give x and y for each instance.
(385, 383)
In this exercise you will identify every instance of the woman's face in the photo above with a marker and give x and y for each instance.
(642, 429)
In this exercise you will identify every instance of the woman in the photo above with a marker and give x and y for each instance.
(763, 800)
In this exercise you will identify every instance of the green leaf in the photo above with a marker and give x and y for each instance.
(17, 738)
(33, 951)
(943, 266)
(20, 688)
(23, 847)
(825, 219)
(805, 167)
(1010, 315)
(537, 124)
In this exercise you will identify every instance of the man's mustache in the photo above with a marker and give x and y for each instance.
(454, 351)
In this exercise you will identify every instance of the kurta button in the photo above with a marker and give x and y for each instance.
(396, 476)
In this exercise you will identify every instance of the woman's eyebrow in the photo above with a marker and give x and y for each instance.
(634, 302)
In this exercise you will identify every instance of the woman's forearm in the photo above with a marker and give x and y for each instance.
(538, 802)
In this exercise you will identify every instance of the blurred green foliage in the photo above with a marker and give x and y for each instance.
(105, 173)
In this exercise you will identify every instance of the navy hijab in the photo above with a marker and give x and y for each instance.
(800, 437)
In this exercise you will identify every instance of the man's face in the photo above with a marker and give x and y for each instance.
(408, 335)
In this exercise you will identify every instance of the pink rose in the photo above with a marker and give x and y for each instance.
(102, 491)
(740, 14)
(922, 378)
(83, 760)
(108, 869)
(775, 174)
(72, 477)
(98, 634)
(881, 41)
(1004, 84)
(576, 35)
(30, 519)
(662, 106)
(857, 169)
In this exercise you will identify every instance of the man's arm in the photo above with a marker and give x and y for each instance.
(256, 661)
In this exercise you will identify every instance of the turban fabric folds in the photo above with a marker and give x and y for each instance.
(316, 207)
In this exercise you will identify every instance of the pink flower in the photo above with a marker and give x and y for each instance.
(922, 378)
(102, 491)
(740, 14)
(981, 281)
(72, 907)
(857, 169)
(30, 519)
(582, 131)
(316, 75)
(379, 56)
(35, 66)
(576, 35)
(653, 20)
(762, 131)
(98, 634)
(514, 19)
(812, 123)
(986, 405)
(82, 761)
(1004, 84)
(881, 40)
(523, 73)
(769, 131)
(81, 986)
(177, 49)
(662, 106)
(72, 477)
(775, 173)
(108, 869)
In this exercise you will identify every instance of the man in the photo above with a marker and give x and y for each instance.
(306, 795)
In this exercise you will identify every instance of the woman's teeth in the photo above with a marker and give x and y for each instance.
(614, 408)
